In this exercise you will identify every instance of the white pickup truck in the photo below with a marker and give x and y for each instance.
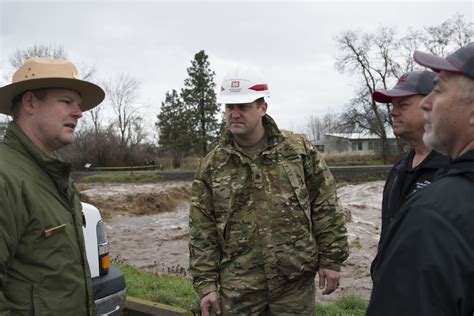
(108, 282)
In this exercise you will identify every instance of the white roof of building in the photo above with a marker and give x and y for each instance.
(356, 136)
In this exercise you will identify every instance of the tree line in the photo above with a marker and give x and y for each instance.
(189, 122)
(379, 58)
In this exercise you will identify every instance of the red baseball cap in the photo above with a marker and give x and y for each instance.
(410, 83)
(461, 61)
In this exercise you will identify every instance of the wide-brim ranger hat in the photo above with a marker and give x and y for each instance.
(461, 61)
(410, 83)
(45, 73)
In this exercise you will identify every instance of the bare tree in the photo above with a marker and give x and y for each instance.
(317, 126)
(87, 72)
(408, 44)
(379, 58)
(448, 36)
(359, 116)
(313, 128)
(137, 133)
(369, 56)
(95, 116)
(98, 149)
(38, 50)
(96, 140)
(331, 123)
(52, 51)
(122, 93)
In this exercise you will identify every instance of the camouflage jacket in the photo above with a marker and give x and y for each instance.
(265, 221)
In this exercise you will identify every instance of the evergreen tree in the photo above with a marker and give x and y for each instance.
(174, 129)
(200, 99)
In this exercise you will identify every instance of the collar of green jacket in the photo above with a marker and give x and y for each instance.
(16, 139)
(273, 133)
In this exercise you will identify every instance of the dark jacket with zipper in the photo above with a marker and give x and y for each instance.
(426, 261)
(404, 180)
(43, 266)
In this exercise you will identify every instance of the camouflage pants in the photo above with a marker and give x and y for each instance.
(296, 298)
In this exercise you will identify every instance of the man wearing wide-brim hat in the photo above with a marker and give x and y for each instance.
(43, 266)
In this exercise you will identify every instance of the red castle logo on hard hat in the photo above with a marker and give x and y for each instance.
(235, 84)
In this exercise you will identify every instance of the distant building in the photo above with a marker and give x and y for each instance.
(334, 143)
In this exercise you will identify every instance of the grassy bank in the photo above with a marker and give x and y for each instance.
(137, 177)
(349, 174)
(178, 291)
(348, 305)
(352, 159)
(189, 165)
(166, 289)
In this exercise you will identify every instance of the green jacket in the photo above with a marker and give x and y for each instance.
(42, 272)
(255, 225)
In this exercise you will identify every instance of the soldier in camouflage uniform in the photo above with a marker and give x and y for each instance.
(264, 214)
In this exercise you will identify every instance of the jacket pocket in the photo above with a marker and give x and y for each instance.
(295, 246)
(295, 175)
(297, 255)
(232, 203)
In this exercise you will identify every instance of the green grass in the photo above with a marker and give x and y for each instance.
(348, 305)
(178, 291)
(138, 177)
(352, 159)
(166, 289)
(124, 177)
(375, 162)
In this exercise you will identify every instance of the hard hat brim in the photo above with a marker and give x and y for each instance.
(239, 99)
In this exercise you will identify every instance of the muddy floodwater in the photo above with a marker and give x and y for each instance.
(147, 227)
(157, 242)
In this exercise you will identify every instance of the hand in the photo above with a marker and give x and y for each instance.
(328, 280)
(210, 303)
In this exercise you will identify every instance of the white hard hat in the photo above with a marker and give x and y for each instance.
(242, 85)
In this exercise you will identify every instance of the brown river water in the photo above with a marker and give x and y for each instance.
(147, 227)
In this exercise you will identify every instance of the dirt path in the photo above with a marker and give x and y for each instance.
(158, 241)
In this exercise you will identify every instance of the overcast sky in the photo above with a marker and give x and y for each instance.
(292, 43)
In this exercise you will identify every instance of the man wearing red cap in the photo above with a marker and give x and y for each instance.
(425, 264)
(417, 168)
(43, 265)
